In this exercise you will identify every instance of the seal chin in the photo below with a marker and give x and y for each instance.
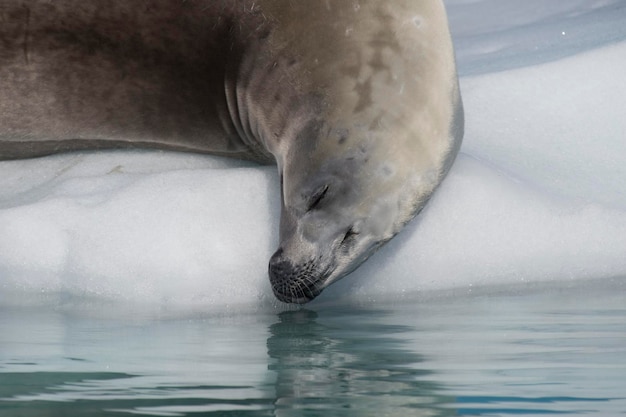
(296, 283)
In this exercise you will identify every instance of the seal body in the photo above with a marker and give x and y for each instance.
(357, 102)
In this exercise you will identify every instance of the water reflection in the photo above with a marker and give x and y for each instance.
(540, 354)
(348, 364)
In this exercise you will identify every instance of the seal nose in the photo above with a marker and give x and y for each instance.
(288, 281)
(279, 269)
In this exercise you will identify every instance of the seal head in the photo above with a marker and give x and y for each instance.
(374, 133)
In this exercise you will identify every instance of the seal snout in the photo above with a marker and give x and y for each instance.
(294, 283)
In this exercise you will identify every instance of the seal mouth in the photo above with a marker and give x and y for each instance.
(299, 292)
(296, 284)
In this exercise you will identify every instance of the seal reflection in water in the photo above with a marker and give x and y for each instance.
(357, 102)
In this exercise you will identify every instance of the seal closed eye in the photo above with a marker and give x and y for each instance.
(350, 235)
(317, 197)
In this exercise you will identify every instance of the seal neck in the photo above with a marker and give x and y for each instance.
(267, 104)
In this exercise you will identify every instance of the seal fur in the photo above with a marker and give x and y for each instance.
(357, 102)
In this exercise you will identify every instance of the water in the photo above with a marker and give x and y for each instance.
(541, 352)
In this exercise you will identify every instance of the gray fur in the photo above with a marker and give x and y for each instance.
(356, 101)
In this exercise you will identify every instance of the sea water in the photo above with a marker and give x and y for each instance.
(543, 352)
(135, 282)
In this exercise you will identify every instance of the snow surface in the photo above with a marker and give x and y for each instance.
(537, 195)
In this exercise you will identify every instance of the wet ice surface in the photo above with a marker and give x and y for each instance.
(538, 193)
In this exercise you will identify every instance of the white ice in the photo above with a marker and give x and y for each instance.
(537, 195)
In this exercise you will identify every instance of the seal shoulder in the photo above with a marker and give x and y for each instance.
(83, 75)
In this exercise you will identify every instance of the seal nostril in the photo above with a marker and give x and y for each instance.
(280, 272)
(277, 257)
